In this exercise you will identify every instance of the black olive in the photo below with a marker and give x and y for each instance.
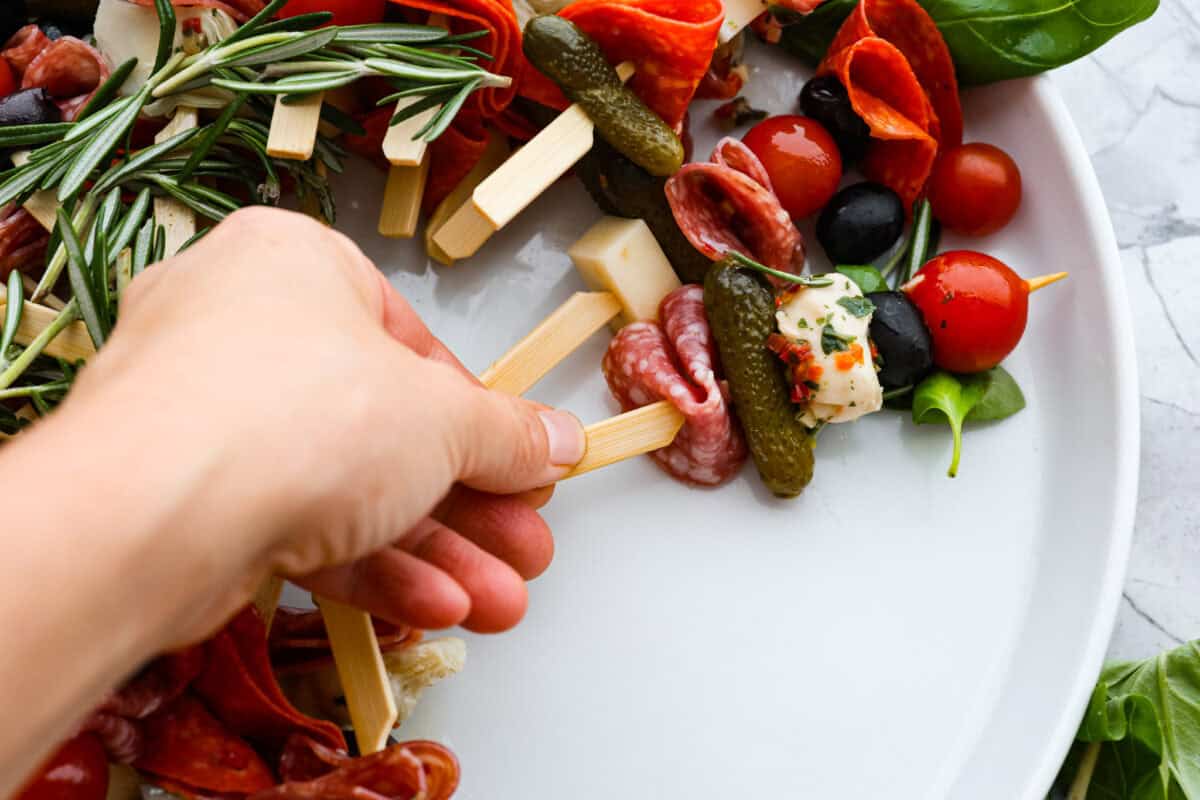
(860, 223)
(825, 99)
(12, 16)
(904, 343)
(28, 107)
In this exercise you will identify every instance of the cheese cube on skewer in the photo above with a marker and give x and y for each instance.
(622, 256)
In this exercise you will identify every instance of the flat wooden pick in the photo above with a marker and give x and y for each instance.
(363, 674)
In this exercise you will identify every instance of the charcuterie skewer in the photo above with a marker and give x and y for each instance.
(519, 181)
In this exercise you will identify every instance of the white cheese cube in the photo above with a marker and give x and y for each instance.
(623, 257)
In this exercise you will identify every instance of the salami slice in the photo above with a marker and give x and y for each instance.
(241, 10)
(24, 47)
(898, 72)
(401, 772)
(157, 685)
(185, 743)
(70, 70)
(239, 687)
(730, 205)
(22, 239)
(122, 738)
(676, 361)
(671, 42)
(298, 642)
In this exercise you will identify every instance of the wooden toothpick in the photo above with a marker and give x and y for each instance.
(634, 433)
(739, 14)
(1034, 284)
(363, 674)
(294, 127)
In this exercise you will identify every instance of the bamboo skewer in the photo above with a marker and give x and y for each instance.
(634, 433)
(177, 219)
(739, 14)
(1041, 282)
(72, 344)
(519, 181)
(364, 676)
(294, 127)
(495, 154)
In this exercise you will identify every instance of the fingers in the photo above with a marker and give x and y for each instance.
(505, 445)
(396, 586)
(508, 528)
(497, 592)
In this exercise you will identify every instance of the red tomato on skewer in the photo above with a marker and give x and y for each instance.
(78, 771)
(975, 307)
(345, 12)
(802, 159)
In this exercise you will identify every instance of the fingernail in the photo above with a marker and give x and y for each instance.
(566, 438)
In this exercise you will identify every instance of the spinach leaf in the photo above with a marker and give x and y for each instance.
(944, 398)
(868, 279)
(993, 40)
(1141, 731)
(1001, 397)
(857, 306)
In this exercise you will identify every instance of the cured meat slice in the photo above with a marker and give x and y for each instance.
(730, 205)
(187, 744)
(157, 685)
(677, 362)
(898, 72)
(239, 687)
(122, 738)
(406, 771)
(502, 42)
(298, 642)
(22, 239)
(24, 47)
(70, 70)
(241, 10)
(671, 42)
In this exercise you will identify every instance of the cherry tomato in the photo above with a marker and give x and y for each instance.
(802, 160)
(975, 189)
(8, 79)
(78, 771)
(975, 306)
(345, 12)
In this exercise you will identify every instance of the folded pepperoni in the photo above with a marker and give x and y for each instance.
(241, 10)
(502, 43)
(24, 47)
(676, 361)
(729, 205)
(187, 744)
(671, 42)
(298, 642)
(239, 687)
(70, 70)
(405, 771)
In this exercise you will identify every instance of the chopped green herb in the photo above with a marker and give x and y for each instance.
(860, 307)
(834, 342)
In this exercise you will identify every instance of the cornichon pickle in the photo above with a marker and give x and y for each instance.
(741, 311)
(623, 189)
(565, 54)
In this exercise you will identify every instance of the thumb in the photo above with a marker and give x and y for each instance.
(506, 445)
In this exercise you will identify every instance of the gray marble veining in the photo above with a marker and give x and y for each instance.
(1137, 105)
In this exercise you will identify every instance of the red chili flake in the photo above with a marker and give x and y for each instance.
(801, 371)
(192, 25)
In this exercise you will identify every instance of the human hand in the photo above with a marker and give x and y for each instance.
(306, 422)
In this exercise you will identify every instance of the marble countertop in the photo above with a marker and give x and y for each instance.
(1137, 104)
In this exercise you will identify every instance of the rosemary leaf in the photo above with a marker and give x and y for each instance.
(211, 133)
(96, 120)
(84, 299)
(299, 44)
(256, 23)
(80, 220)
(23, 182)
(399, 69)
(197, 236)
(14, 307)
(397, 34)
(160, 243)
(143, 247)
(123, 234)
(341, 120)
(121, 172)
(100, 277)
(166, 33)
(300, 22)
(194, 196)
(445, 116)
(101, 146)
(429, 58)
(307, 84)
(25, 135)
(108, 90)
(65, 317)
(105, 218)
(424, 104)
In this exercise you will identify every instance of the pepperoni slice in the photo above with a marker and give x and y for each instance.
(671, 42)
(24, 47)
(400, 772)
(241, 10)
(70, 70)
(239, 687)
(185, 743)
(298, 642)
(730, 205)
(676, 361)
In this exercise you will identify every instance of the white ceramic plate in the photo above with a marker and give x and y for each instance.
(891, 634)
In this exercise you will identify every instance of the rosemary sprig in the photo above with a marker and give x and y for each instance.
(809, 281)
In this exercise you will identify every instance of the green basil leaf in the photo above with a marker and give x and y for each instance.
(868, 279)
(993, 40)
(943, 398)
(860, 307)
(834, 342)
(1000, 396)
